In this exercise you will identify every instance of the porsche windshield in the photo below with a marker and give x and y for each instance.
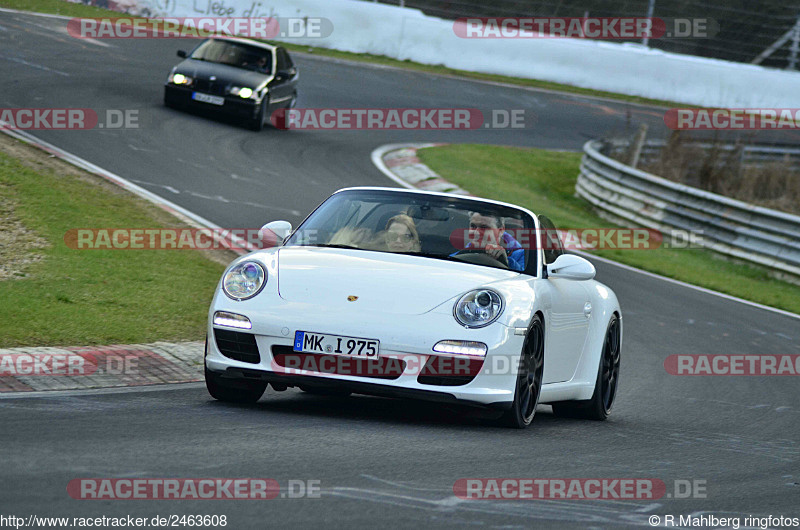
(234, 54)
(448, 228)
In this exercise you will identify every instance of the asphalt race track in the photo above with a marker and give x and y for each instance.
(378, 459)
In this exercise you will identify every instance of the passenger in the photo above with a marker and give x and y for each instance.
(401, 234)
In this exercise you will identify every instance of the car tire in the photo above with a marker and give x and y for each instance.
(257, 123)
(233, 391)
(278, 119)
(529, 379)
(598, 407)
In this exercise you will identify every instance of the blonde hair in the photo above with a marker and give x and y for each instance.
(408, 222)
(354, 237)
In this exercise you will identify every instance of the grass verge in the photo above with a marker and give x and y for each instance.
(57, 7)
(60, 296)
(544, 182)
(62, 7)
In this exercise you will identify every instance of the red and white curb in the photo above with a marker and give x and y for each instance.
(78, 368)
(400, 163)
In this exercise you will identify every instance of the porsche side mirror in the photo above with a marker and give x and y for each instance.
(276, 230)
(182, 54)
(571, 267)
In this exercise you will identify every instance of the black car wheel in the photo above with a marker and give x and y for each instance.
(605, 387)
(529, 379)
(257, 123)
(233, 391)
(279, 117)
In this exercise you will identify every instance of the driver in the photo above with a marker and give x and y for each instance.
(488, 232)
(259, 64)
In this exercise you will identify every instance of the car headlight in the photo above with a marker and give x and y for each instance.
(180, 79)
(242, 92)
(478, 308)
(244, 280)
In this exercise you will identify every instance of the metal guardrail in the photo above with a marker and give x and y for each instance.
(760, 235)
(751, 155)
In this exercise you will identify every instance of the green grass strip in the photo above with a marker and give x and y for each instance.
(86, 297)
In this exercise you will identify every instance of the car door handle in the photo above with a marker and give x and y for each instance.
(587, 309)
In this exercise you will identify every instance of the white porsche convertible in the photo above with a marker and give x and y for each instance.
(413, 294)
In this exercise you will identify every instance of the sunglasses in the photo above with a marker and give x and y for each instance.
(398, 237)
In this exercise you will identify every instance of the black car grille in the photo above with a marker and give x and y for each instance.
(237, 345)
(449, 371)
(209, 87)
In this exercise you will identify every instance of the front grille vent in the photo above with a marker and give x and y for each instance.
(237, 345)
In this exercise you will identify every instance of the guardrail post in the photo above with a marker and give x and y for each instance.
(638, 143)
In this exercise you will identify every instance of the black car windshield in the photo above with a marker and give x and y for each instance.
(431, 226)
(234, 54)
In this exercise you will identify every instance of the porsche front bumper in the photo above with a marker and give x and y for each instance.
(406, 353)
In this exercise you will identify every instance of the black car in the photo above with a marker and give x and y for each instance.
(240, 78)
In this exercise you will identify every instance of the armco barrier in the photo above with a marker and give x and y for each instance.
(767, 237)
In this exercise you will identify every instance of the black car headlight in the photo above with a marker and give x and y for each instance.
(242, 92)
(180, 79)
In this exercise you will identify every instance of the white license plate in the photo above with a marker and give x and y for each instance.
(305, 341)
(207, 98)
